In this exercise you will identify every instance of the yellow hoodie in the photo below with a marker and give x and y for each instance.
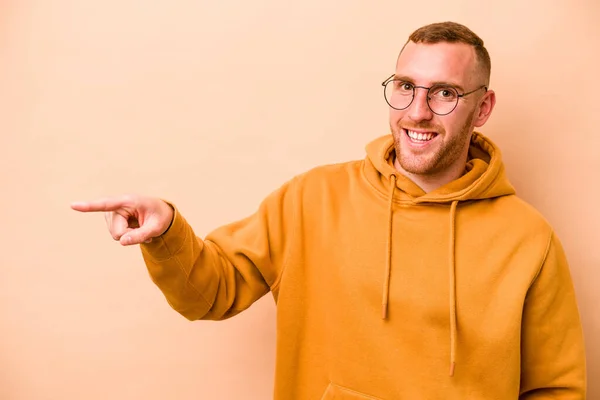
(386, 292)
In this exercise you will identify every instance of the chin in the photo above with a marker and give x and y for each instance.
(415, 166)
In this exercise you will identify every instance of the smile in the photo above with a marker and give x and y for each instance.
(420, 136)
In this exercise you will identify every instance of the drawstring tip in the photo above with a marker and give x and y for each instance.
(384, 311)
(452, 368)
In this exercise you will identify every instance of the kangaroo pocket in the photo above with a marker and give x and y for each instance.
(337, 392)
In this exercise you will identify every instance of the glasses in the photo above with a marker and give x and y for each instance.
(441, 99)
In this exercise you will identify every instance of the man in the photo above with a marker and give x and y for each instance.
(416, 273)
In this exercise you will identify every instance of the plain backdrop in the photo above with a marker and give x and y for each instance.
(212, 105)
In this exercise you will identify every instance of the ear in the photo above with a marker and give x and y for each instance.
(485, 108)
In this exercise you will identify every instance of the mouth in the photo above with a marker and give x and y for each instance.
(420, 137)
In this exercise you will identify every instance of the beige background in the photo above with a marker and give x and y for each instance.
(212, 104)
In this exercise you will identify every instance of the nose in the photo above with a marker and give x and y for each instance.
(419, 109)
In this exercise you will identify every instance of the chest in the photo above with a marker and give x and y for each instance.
(349, 259)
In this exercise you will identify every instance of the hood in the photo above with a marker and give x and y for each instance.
(484, 178)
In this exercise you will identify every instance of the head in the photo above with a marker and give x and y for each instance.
(452, 58)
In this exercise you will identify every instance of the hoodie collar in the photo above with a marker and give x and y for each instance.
(484, 177)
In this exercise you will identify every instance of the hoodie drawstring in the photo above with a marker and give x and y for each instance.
(452, 273)
(388, 260)
(452, 290)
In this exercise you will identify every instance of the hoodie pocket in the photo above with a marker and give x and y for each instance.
(337, 392)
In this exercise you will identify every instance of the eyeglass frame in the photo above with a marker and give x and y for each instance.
(414, 87)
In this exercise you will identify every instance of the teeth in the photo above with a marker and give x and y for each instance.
(420, 136)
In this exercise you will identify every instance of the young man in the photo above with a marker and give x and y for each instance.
(415, 273)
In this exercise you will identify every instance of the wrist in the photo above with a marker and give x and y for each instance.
(171, 214)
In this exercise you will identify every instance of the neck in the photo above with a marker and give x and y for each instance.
(431, 182)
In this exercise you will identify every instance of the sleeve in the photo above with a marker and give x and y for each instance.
(553, 361)
(236, 264)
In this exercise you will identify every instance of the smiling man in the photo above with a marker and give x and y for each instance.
(414, 273)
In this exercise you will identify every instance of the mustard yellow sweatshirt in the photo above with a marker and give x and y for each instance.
(386, 292)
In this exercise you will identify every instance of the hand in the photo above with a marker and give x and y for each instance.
(131, 219)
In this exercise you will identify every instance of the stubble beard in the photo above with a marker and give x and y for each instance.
(444, 155)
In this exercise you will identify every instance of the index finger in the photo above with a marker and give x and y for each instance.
(102, 205)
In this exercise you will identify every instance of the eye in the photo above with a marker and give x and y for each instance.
(444, 93)
(403, 87)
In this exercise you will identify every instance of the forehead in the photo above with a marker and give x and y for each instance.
(439, 62)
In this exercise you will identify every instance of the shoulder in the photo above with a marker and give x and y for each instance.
(330, 174)
(516, 208)
(326, 183)
(524, 221)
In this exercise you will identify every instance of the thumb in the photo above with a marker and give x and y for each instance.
(143, 234)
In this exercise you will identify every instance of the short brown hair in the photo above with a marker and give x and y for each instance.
(453, 32)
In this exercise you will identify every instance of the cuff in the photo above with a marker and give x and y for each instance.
(170, 242)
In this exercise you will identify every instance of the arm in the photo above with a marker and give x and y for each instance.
(235, 265)
(552, 350)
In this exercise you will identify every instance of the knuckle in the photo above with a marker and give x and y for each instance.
(132, 200)
(115, 233)
(128, 198)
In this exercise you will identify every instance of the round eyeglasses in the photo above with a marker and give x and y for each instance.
(442, 99)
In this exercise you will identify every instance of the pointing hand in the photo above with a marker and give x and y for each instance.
(131, 219)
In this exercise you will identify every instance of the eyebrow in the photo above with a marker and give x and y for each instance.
(409, 79)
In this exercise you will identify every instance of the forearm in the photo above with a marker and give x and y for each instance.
(196, 277)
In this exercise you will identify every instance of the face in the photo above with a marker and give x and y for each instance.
(428, 144)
